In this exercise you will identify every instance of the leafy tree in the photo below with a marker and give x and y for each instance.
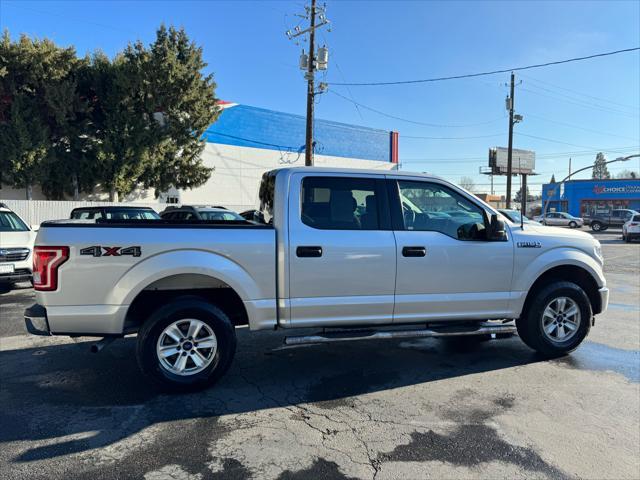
(600, 170)
(553, 179)
(628, 174)
(467, 183)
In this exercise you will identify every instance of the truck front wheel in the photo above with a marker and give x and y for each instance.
(186, 345)
(557, 319)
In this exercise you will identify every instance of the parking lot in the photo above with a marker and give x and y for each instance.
(394, 409)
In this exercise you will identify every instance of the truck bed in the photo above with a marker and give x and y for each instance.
(112, 261)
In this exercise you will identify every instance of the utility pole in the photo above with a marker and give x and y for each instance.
(510, 151)
(569, 166)
(523, 195)
(310, 63)
(308, 151)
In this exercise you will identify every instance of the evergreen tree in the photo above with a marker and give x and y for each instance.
(38, 114)
(182, 102)
(518, 197)
(135, 120)
(600, 170)
(120, 129)
(553, 179)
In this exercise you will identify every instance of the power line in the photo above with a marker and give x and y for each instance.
(418, 137)
(415, 122)
(541, 156)
(582, 94)
(529, 114)
(552, 140)
(579, 103)
(493, 72)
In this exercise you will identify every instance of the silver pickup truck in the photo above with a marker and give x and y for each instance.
(359, 254)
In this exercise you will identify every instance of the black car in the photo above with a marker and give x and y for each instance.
(116, 213)
(200, 212)
(613, 218)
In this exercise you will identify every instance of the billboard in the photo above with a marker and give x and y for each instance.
(522, 161)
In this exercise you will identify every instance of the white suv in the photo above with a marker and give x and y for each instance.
(16, 246)
(631, 229)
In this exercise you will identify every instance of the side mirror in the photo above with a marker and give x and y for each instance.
(35, 227)
(497, 231)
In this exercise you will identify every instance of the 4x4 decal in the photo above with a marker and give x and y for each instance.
(100, 251)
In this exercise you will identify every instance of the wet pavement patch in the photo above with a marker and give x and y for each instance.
(599, 357)
(321, 468)
(469, 446)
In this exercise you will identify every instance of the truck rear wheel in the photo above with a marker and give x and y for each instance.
(557, 319)
(186, 345)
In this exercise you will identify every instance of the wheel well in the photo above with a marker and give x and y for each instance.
(165, 290)
(569, 273)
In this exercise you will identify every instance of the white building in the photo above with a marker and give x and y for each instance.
(247, 141)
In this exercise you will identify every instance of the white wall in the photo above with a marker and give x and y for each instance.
(238, 171)
(234, 183)
(34, 212)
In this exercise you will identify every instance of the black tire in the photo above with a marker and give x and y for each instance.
(529, 324)
(191, 307)
(596, 226)
(573, 224)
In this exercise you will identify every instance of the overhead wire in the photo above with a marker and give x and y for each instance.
(492, 72)
(415, 122)
(575, 93)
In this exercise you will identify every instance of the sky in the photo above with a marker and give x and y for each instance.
(570, 111)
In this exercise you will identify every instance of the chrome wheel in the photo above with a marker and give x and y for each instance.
(186, 347)
(561, 319)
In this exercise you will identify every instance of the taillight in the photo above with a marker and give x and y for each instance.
(46, 261)
(634, 224)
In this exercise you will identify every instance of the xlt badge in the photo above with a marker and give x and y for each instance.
(529, 245)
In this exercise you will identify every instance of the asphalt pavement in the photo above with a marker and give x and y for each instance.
(385, 409)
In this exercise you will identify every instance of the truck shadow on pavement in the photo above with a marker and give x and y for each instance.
(65, 400)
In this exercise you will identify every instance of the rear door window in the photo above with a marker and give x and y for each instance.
(340, 203)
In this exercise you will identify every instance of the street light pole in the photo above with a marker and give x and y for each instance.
(619, 159)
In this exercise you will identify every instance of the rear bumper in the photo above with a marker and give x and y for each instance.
(35, 320)
(604, 300)
(632, 235)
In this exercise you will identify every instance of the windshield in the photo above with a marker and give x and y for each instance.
(227, 216)
(10, 222)
(133, 214)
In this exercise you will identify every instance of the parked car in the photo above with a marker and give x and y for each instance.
(347, 250)
(200, 212)
(514, 216)
(614, 218)
(631, 229)
(560, 219)
(115, 213)
(252, 215)
(16, 247)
